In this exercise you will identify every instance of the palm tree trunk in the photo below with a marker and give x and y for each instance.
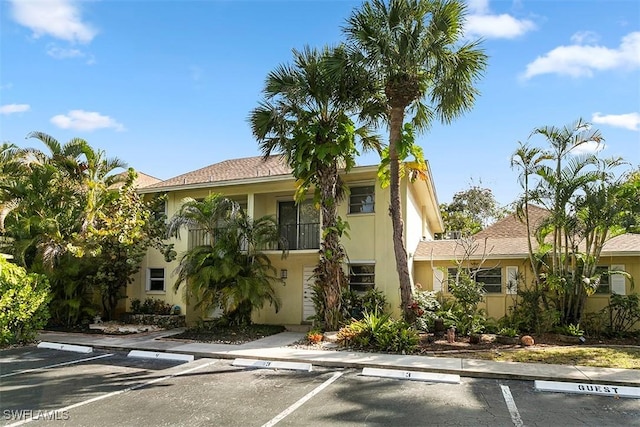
(395, 210)
(329, 272)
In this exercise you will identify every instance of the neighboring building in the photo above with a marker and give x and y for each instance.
(266, 187)
(504, 249)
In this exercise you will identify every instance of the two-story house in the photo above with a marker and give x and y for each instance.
(266, 187)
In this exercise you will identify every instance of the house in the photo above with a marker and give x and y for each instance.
(502, 250)
(266, 187)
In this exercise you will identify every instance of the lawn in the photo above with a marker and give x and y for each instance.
(603, 357)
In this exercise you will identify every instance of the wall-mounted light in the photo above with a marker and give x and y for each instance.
(283, 274)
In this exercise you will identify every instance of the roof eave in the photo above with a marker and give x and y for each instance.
(197, 185)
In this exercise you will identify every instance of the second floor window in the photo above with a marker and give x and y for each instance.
(299, 225)
(362, 199)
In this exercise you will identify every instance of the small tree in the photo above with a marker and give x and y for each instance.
(122, 233)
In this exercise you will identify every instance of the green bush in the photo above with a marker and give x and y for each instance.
(508, 332)
(571, 330)
(23, 303)
(355, 304)
(426, 306)
(150, 306)
(379, 332)
(622, 313)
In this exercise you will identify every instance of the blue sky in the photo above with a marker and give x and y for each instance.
(167, 85)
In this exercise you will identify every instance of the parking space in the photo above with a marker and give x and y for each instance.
(116, 390)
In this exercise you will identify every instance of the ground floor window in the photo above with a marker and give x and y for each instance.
(155, 279)
(604, 287)
(362, 277)
(491, 278)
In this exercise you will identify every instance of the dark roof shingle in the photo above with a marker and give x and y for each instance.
(230, 170)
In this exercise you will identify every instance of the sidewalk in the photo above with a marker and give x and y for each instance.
(275, 348)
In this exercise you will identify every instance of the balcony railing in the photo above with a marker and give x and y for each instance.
(293, 237)
(300, 236)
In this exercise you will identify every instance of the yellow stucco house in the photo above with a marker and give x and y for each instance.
(502, 249)
(266, 187)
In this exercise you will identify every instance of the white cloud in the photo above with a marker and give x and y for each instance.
(85, 120)
(589, 147)
(6, 86)
(64, 53)
(582, 60)
(582, 37)
(60, 19)
(482, 23)
(629, 121)
(14, 108)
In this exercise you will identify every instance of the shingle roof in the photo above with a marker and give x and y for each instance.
(507, 239)
(511, 225)
(623, 243)
(229, 170)
(142, 180)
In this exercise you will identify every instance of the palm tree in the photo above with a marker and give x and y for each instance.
(529, 160)
(414, 49)
(229, 270)
(305, 117)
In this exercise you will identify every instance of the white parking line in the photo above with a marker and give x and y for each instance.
(301, 402)
(51, 414)
(24, 371)
(511, 405)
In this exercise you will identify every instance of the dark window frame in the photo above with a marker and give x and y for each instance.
(361, 280)
(151, 280)
(362, 199)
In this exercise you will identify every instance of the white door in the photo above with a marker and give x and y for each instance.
(308, 309)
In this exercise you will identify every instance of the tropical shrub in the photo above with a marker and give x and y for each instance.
(622, 313)
(425, 306)
(379, 332)
(508, 332)
(23, 303)
(355, 304)
(571, 330)
(150, 306)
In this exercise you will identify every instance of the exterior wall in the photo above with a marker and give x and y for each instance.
(289, 290)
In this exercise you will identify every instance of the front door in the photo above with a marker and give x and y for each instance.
(308, 310)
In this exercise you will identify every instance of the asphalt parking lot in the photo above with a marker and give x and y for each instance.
(97, 389)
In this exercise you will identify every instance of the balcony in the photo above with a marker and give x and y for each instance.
(300, 236)
(294, 237)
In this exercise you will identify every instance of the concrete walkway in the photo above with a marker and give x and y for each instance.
(276, 348)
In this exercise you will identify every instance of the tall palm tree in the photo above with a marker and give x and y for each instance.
(528, 160)
(414, 48)
(229, 270)
(306, 117)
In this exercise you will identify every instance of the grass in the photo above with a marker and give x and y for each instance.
(602, 357)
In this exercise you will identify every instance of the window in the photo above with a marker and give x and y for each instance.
(362, 199)
(155, 279)
(362, 277)
(604, 287)
(490, 278)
